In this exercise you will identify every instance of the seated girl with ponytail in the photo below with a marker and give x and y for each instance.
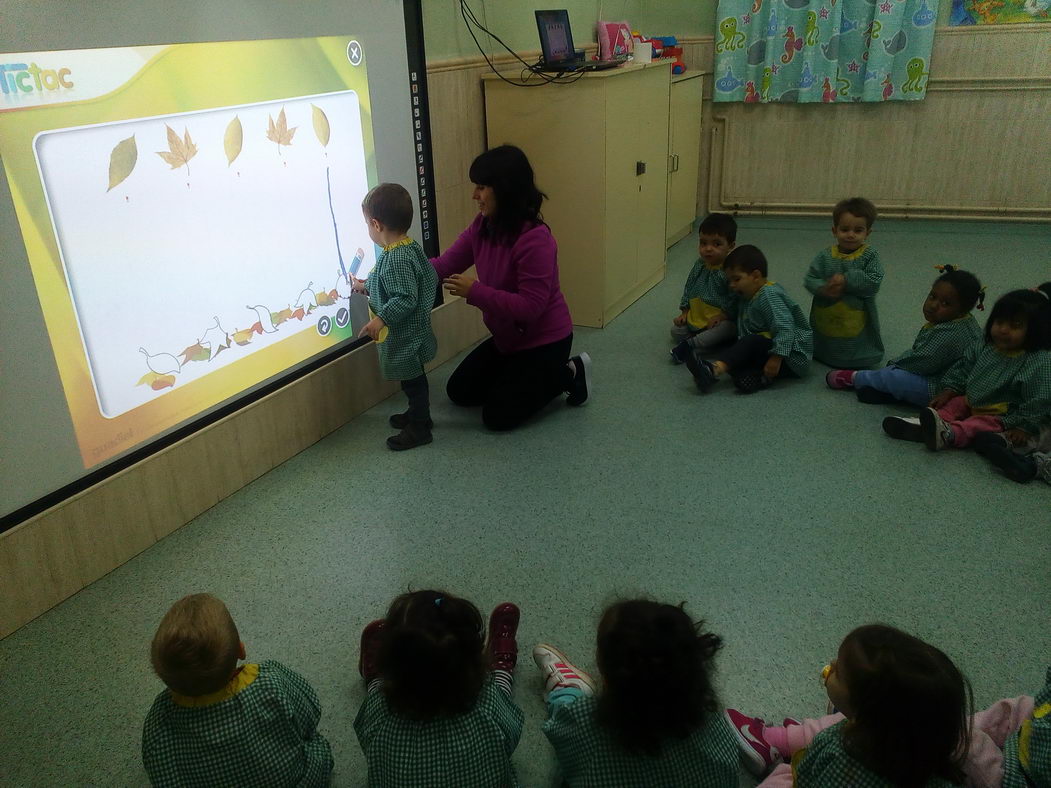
(949, 331)
(656, 720)
(439, 710)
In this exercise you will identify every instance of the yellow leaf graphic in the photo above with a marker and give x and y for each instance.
(233, 140)
(321, 127)
(180, 151)
(122, 160)
(279, 132)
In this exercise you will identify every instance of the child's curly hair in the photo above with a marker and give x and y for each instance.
(657, 665)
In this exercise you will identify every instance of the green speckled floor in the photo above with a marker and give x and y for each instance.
(785, 519)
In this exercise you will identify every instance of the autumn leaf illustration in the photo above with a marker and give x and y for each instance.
(325, 299)
(281, 317)
(180, 151)
(279, 132)
(244, 337)
(321, 127)
(156, 382)
(122, 160)
(196, 352)
(299, 314)
(233, 140)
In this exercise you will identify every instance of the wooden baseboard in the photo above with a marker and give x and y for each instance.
(66, 548)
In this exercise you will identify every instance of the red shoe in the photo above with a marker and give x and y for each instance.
(503, 643)
(840, 379)
(371, 638)
(759, 757)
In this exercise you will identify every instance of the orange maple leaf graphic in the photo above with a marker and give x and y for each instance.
(279, 132)
(180, 151)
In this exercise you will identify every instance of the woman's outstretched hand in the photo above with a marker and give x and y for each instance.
(459, 285)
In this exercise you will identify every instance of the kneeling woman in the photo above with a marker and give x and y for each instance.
(525, 363)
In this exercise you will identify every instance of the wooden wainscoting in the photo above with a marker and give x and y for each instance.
(55, 554)
(974, 148)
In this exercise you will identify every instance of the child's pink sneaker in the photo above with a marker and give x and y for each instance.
(759, 757)
(840, 379)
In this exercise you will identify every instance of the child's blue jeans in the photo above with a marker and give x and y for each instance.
(906, 386)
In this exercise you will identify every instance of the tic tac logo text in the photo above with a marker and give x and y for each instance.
(19, 77)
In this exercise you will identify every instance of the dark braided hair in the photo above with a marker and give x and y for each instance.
(966, 285)
(657, 665)
(431, 658)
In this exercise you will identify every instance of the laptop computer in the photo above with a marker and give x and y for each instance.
(556, 42)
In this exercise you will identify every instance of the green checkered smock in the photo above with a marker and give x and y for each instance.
(471, 750)
(588, 755)
(1016, 387)
(846, 330)
(706, 292)
(1027, 751)
(259, 730)
(772, 313)
(402, 287)
(937, 347)
(825, 764)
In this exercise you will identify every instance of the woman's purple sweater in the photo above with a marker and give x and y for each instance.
(517, 288)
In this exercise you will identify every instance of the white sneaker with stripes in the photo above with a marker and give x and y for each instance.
(559, 671)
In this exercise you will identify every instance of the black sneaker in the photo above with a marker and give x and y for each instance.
(580, 388)
(409, 438)
(400, 421)
(871, 396)
(751, 381)
(1017, 467)
(903, 429)
(681, 352)
(985, 442)
(703, 372)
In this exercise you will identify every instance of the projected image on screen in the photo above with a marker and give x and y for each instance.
(191, 237)
(193, 241)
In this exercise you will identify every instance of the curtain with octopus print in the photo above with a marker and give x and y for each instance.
(823, 50)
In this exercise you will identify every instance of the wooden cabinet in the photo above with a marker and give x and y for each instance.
(599, 149)
(684, 146)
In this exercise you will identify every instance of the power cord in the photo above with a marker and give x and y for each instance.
(529, 70)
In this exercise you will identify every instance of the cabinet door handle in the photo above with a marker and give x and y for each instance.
(640, 168)
(676, 155)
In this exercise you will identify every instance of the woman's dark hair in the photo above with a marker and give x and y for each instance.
(887, 673)
(657, 665)
(966, 285)
(746, 259)
(431, 657)
(1033, 307)
(507, 170)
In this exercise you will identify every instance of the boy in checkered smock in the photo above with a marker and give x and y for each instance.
(657, 721)
(915, 376)
(706, 309)
(845, 279)
(439, 710)
(401, 288)
(218, 724)
(904, 721)
(1001, 385)
(774, 338)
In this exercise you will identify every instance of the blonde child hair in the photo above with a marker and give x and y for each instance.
(196, 647)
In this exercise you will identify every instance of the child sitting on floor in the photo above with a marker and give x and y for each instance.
(915, 375)
(904, 722)
(774, 338)
(1000, 385)
(439, 709)
(705, 318)
(844, 280)
(656, 721)
(219, 724)
(1008, 742)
